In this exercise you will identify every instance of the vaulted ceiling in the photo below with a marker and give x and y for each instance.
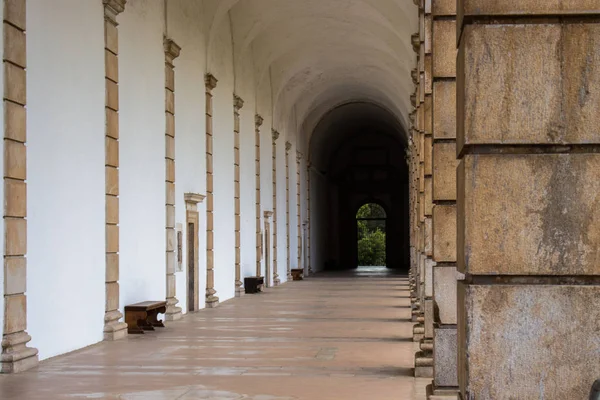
(319, 54)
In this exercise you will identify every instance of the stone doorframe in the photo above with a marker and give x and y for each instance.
(192, 216)
(267, 247)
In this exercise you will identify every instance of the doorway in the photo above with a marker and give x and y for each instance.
(267, 247)
(371, 246)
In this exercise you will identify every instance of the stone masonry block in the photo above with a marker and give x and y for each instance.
(528, 342)
(112, 123)
(111, 62)
(15, 198)
(112, 209)
(444, 109)
(112, 267)
(15, 160)
(111, 37)
(15, 236)
(428, 239)
(112, 238)
(529, 84)
(112, 95)
(429, 280)
(15, 278)
(445, 355)
(112, 151)
(428, 149)
(444, 294)
(444, 48)
(479, 8)
(444, 171)
(14, 45)
(112, 296)
(14, 12)
(444, 233)
(112, 180)
(529, 214)
(171, 239)
(428, 196)
(15, 313)
(444, 8)
(169, 101)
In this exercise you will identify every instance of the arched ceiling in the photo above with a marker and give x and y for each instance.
(346, 121)
(318, 54)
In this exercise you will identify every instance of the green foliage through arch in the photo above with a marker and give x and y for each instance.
(370, 220)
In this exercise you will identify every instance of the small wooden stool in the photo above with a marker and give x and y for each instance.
(141, 317)
(254, 284)
(297, 274)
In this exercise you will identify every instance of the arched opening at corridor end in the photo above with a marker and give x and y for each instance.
(370, 235)
(357, 156)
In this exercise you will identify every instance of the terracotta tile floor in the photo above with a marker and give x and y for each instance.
(332, 336)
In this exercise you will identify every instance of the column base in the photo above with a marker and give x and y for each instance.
(239, 291)
(212, 301)
(173, 312)
(16, 356)
(436, 393)
(276, 280)
(418, 332)
(113, 329)
(289, 276)
(423, 365)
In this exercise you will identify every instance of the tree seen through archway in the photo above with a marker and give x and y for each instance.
(370, 222)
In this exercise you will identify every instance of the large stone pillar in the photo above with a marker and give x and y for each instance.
(274, 136)
(113, 328)
(258, 121)
(172, 50)
(238, 103)
(212, 300)
(528, 112)
(424, 358)
(16, 356)
(445, 380)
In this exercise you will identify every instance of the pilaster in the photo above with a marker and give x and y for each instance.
(258, 121)
(298, 209)
(16, 355)
(172, 51)
(444, 163)
(212, 300)
(288, 147)
(238, 103)
(308, 224)
(275, 136)
(113, 328)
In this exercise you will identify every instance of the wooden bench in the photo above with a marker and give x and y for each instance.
(298, 274)
(141, 317)
(254, 284)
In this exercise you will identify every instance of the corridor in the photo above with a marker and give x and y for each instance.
(333, 336)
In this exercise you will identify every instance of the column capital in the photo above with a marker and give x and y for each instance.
(274, 135)
(258, 121)
(288, 147)
(210, 81)
(112, 8)
(298, 156)
(238, 103)
(415, 39)
(172, 49)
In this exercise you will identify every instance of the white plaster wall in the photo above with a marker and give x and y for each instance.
(65, 177)
(190, 131)
(247, 191)
(221, 66)
(142, 152)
